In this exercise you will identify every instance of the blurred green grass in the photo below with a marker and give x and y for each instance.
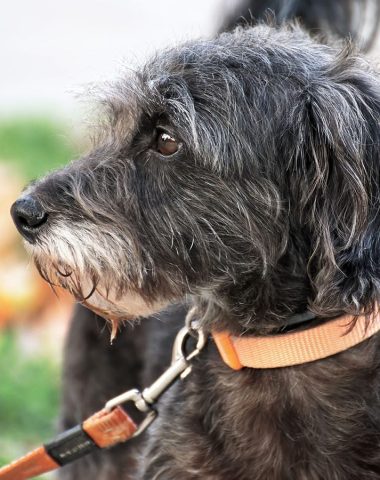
(35, 145)
(29, 386)
(29, 399)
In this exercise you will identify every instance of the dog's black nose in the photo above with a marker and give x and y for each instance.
(29, 217)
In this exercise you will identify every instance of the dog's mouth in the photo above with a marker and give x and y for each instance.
(102, 296)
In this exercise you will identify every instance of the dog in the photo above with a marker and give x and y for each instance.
(239, 173)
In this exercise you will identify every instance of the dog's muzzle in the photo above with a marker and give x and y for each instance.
(29, 217)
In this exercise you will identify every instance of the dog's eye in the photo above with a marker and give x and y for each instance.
(166, 144)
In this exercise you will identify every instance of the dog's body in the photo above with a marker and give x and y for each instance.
(243, 173)
(313, 422)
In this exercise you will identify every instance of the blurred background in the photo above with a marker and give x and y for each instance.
(49, 54)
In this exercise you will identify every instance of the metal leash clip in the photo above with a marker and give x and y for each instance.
(180, 367)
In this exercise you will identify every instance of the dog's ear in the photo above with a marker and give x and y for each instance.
(335, 185)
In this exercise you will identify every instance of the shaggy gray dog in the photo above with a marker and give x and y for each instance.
(243, 174)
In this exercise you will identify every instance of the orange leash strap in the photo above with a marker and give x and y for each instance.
(102, 430)
(287, 349)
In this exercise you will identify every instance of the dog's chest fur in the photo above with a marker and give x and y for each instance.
(312, 422)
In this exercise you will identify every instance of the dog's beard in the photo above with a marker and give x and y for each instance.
(63, 262)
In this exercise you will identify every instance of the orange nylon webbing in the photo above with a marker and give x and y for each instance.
(285, 350)
(107, 429)
(33, 464)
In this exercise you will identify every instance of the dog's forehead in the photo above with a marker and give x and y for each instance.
(239, 50)
(201, 70)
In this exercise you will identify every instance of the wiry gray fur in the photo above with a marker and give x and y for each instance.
(271, 207)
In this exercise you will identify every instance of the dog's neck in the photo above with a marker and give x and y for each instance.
(262, 304)
(256, 305)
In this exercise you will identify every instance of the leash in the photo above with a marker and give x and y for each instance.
(112, 425)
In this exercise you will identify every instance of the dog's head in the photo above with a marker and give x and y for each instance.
(243, 171)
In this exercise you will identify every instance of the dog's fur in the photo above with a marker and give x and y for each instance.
(270, 207)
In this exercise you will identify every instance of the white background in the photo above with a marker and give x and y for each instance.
(50, 49)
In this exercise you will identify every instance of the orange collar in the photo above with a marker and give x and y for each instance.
(287, 349)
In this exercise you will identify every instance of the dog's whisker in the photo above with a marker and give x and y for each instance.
(93, 289)
(62, 274)
(44, 274)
